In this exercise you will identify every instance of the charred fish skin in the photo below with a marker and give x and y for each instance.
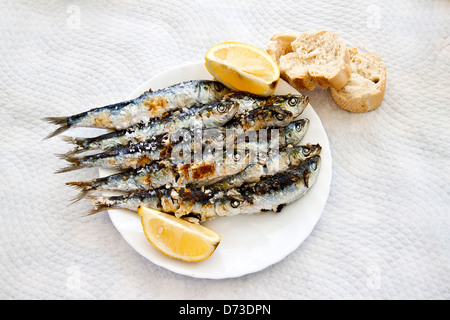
(158, 199)
(287, 159)
(269, 195)
(164, 146)
(291, 135)
(170, 172)
(150, 177)
(295, 103)
(265, 139)
(272, 194)
(142, 153)
(203, 169)
(211, 167)
(196, 203)
(190, 165)
(167, 172)
(257, 119)
(132, 156)
(252, 173)
(147, 106)
(182, 202)
(216, 138)
(207, 116)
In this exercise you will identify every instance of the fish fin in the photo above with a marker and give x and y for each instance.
(75, 163)
(306, 176)
(63, 122)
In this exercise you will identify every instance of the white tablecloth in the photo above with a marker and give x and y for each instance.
(385, 231)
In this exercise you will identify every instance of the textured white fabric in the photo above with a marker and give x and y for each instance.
(385, 231)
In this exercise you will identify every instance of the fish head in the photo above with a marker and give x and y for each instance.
(310, 151)
(295, 103)
(301, 153)
(212, 91)
(276, 117)
(218, 113)
(231, 205)
(295, 131)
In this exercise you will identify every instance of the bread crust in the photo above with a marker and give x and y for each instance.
(365, 89)
(288, 49)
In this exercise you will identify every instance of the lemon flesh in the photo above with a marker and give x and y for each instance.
(243, 67)
(176, 237)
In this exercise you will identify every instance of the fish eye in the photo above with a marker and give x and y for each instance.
(298, 127)
(306, 151)
(280, 116)
(292, 101)
(222, 108)
(235, 203)
(218, 86)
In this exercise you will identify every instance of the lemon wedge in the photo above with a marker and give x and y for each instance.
(176, 237)
(243, 67)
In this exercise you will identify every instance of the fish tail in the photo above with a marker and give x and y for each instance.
(77, 141)
(75, 163)
(80, 143)
(63, 122)
(70, 153)
(97, 209)
(100, 204)
(85, 188)
(84, 185)
(83, 194)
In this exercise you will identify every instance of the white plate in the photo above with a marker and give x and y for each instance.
(249, 243)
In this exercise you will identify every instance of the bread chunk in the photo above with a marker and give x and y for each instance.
(365, 89)
(310, 58)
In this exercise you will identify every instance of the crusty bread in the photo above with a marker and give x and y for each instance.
(280, 44)
(310, 58)
(365, 89)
